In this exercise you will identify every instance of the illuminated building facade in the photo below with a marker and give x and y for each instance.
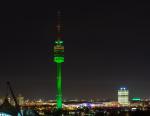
(59, 59)
(20, 100)
(123, 96)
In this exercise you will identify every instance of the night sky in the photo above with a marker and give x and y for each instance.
(107, 45)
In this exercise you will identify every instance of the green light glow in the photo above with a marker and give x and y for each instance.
(136, 99)
(58, 42)
(58, 59)
(59, 87)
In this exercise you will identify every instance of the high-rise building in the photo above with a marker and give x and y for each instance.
(123, 96)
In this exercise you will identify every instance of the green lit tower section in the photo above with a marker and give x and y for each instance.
(59, 59)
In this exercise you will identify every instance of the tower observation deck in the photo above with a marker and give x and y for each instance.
(59, 59)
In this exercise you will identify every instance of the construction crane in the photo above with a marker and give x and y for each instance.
(13, 96)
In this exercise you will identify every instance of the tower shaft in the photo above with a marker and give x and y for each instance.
(59, 87)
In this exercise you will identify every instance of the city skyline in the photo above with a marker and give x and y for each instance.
(106, 47)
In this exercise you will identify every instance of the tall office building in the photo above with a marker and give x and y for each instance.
(123, 96)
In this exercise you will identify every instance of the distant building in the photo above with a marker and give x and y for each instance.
(123, 96)
(20, 100)
(136, 102)
(2, 100)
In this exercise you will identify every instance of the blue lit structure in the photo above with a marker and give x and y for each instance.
(4, 114)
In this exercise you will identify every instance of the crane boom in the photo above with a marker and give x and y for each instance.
(13, 96)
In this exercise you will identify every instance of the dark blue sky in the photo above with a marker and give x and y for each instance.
(106, 46)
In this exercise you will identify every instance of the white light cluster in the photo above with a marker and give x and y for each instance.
(123, 88)
(4, 114)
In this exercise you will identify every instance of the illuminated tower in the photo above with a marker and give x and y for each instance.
(123, 96)
(59, 59)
